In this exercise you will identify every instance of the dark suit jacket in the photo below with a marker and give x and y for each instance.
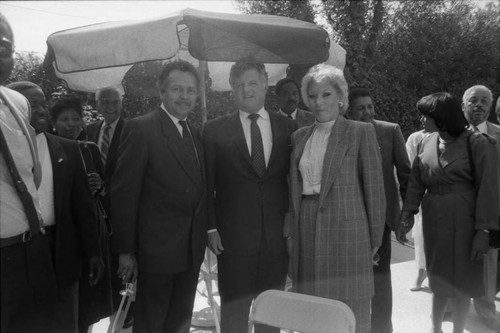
(304, 118)
(158, 198)
(93, 131)
(393, 149)
(242, 206)
(75, 215)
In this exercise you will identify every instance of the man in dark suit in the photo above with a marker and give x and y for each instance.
(67, 210)
(158, 205)
(106, 134)
(248, 157)
(288, 93)
(476, 105)
(393, 150)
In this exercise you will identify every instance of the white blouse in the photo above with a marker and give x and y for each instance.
(311, 162)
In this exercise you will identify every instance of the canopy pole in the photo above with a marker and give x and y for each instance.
(202, 69)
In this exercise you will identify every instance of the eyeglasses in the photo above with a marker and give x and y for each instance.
(6, 48)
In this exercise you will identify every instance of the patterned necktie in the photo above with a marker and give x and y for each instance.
(258, 160)
(105, 144)
(186, 137)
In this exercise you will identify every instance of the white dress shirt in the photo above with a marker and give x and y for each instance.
(13, 219)
(174, 120)
(311, 162)
(46, 189)
(264, 124)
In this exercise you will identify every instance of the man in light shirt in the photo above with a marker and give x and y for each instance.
(67, 209)
(28, 283)
(476, 104)
(288, 93)
(248, 158)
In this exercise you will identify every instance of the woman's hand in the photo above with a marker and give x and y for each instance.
(95, 182)
(480, 244)
(406, 221)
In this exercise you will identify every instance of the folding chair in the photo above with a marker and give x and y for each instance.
(302, 313)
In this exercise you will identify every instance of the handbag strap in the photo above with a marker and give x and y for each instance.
(34, 221)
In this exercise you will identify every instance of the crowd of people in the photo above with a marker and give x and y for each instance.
(314, 195)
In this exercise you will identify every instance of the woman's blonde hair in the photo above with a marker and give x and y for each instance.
(335, 77)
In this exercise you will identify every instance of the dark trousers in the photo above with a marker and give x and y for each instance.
(164, 302)
(382, 300)
(242, 278)
(66, 309)
(28, 288)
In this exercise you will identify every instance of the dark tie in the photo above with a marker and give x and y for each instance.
(105, 144)
(258, 160)
(186, 137)
(290, 116)
(475, 129)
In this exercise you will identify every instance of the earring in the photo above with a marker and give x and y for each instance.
(341, 104)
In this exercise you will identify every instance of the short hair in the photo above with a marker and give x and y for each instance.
(335, 77)
(244, 65)
(281, 83)
(469, 91)
(446, 111)
(65, 103)
(179, 65)
(357, 93)
(3, 19)
(106, 89)
(21, 86)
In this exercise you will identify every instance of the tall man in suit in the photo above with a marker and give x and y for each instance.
(476, 104)
(158, 205)
(67, 210)
(393, 151)
(106, 134)
(288, 93)
(248, 157)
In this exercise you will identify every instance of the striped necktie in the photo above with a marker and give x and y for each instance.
(258, 159)
(105, 144)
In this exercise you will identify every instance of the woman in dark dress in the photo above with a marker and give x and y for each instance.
(453, 176)
(95, 300)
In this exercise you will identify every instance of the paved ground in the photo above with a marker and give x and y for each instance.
(411, 310)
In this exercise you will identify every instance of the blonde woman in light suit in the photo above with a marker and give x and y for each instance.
(337, 210)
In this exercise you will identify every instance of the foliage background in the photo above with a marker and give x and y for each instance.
(400, 50)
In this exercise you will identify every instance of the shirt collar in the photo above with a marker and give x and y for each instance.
(112, 125)
(482, 127)
(174, 119)
(262, 112)
(293, 114)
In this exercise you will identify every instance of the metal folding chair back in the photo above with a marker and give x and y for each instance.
(301, 313)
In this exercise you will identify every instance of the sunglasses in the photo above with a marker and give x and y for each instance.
(6, 48)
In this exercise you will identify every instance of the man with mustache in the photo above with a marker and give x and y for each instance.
(158, 205)
(288, 93)
(248, 159)
(476, 104)
(67, 209)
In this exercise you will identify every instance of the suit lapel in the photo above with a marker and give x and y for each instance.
(59, 165)
(237, 137)
(334, 155)
(177, 147)
(113, 147)
(94, 134)
(278, 132)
